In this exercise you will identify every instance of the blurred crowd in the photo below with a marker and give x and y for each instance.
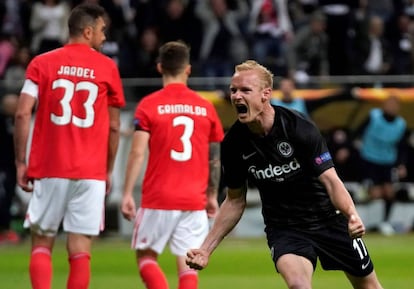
(296, 38)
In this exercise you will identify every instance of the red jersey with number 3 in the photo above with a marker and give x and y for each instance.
(181, 125)
(76, 84)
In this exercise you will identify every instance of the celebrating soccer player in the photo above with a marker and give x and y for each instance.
(307, 211)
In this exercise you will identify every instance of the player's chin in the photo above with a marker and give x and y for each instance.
(243, 117)
(98, 47)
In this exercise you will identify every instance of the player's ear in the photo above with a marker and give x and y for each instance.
(88, 32)
(267, 94)
(188, 69)
(159, 68)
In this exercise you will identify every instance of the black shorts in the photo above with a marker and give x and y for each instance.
(377, 174)
(331, 244)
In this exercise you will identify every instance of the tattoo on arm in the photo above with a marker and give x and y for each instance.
(215, 167)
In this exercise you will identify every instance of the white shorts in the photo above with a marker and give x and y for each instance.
(79, 203)
(182, 229)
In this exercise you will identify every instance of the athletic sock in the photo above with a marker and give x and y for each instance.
(188, 280)
(40, 268)
(79, 272)
(151, 274)
(388, 206)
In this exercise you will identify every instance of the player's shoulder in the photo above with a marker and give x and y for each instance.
(151, 97)
(296, 124)
(236, 132)
(149, 100)
(48, 55)
(101, 59)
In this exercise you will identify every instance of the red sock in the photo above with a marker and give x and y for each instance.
(40, 268)
(151, 274)
(80, 271)
(188, 280)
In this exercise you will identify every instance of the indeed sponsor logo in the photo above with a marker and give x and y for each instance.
(274, 171)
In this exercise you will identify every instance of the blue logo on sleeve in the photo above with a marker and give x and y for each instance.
(323, 158)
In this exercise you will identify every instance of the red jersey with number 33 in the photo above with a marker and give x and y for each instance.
(76, 84)
(181, 125)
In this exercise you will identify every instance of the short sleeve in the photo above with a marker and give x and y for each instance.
(116, 91)
(217, 132)
(316, 153)
(33, 71)
(141, 119)
(234, 173)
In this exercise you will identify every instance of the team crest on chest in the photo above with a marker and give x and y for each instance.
(285, 149)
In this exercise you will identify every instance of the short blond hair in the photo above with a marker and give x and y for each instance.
(265, 75)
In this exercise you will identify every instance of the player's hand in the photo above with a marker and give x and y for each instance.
(356, 228)
(25, 183)
(128, 208)
(197, 259)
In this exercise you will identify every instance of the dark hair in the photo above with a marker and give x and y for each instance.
(173, 57)
(84, 15)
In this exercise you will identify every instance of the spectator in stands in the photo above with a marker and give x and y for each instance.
(300, 12)
(270, 30)
(308, 54)
(223, 43)
(145, 64)
(7, 168)
(16, 70)
(381, 8)
(7, 50)
(344, 154)
(11, 22)
(381, 151)
(338, 15)
(25, 12)
(121, 15)
(48, 23)
(177, 21)
(406, 7)
(374, 55)
(287, 88)
(145, 14)
(402, 44)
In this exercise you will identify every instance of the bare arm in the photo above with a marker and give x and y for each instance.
(230, 213)
(214, 179)
(114, 133)
(134, 165)
(342, 200)
(22, 129)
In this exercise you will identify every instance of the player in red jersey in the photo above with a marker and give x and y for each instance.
(183, 133)
(77, 93)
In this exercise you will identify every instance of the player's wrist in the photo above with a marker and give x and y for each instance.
(20, 161)
(127, 193)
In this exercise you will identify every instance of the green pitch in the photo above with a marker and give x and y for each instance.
(237, 263)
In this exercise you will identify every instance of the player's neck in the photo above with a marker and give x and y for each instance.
(166, 80)
(264, 122)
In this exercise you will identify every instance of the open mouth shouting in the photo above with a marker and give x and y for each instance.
(241, 108)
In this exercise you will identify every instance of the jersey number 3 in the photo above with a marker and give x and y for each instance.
(70, 89)
(188, 124)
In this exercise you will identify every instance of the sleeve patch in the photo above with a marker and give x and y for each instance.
(323, 158)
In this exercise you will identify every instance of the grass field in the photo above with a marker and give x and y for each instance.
(237, 263)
